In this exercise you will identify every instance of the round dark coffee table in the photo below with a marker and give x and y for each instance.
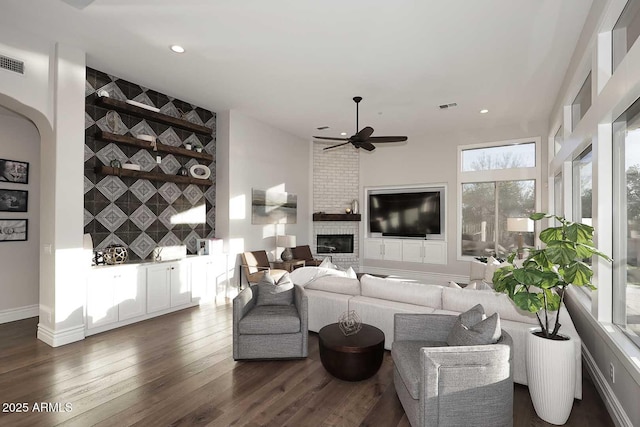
(354, 357)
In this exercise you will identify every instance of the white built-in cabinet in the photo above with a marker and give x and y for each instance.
(424, 251)
(114, 294)
(124, 294)
(167, 286)
(383, 249)
(406, 250)
(208, 275)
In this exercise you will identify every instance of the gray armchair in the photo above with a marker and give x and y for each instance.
(440, 385)
(270, 331)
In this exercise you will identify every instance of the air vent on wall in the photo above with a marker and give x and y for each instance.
(11, 64)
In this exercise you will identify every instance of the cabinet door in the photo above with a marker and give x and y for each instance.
(435, 252)
(412, 250)
(199, 279)
(180, 289)
(373, 248)
(131, 292)
(392, 250)
(158, 287)
(102, 308)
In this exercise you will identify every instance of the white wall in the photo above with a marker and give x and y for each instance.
(262, 157)
(20, 140)
(430, 159)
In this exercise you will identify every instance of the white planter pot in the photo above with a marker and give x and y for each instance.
(551, 375)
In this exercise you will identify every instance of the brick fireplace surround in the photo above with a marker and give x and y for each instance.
(336, 183)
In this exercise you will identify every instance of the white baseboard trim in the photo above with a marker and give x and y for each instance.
(60, 337)
(13, 314)
(609, 398)
(422, 276)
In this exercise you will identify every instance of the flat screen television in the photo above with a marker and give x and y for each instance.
(417, 214)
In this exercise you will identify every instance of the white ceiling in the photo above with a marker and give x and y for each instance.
(296, 64)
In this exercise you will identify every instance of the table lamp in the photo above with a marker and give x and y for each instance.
(286, 242)
(520, 225)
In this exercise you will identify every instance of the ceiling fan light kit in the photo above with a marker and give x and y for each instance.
(362, 138)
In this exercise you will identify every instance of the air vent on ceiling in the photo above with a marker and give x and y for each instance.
(11, 64)
(450, 105)
(323, 127)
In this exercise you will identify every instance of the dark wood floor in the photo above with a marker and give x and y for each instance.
(178, 370)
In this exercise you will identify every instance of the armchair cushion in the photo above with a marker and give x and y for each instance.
(486, 331)
(405, 358)
(275, 293)
(270, 319)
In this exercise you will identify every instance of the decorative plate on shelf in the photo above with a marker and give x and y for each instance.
(200, 171)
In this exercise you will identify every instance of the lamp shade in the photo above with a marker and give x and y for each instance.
(520, 225)
(285, 241)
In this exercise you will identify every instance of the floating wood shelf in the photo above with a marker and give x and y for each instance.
(134, 110)
(129, 140)
(336, 217)
(152, 176)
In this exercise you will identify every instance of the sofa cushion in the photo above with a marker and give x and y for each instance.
(270, 319)
(275, 293)
(460, 300)
(305, 275)
(485, 332)
(337, 284)
(406, 358)
(407, 292)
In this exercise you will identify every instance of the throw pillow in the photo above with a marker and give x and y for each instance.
(485, 332)
(326, 263)
(472, 316)
(351, 274)
(492, 266)
(454, 285)
(275, 293)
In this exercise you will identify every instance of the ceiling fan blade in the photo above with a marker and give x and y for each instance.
(331, 139)
(364, 133)
(335, 146)
(367, 146)
(379, 139)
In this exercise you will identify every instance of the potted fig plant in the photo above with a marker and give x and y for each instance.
(538, 285)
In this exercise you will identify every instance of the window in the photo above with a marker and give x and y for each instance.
(625, 32)
(582, 187)
(499, 157)
(497, 183)
(558, 139)
(486, 208)
(558, 195)
(581, 104)
(626, 221)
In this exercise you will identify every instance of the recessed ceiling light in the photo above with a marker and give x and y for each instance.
(176, 48)
(343, 133)
(484, 111)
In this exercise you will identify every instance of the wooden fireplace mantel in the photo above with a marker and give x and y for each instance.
(336, 217)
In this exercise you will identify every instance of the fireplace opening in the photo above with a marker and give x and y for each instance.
(334, 243)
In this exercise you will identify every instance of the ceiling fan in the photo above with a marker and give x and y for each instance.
(362, 138)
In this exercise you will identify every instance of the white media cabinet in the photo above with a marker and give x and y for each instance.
(119, 295)
(406, 250)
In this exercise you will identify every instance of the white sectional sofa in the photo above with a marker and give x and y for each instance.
(376, 300)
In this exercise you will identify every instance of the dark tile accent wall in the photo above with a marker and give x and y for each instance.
(133, 212)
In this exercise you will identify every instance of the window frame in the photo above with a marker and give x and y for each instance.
(514, 174)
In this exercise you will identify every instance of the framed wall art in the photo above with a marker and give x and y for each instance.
(14, 171)
(13, 230)
(272, 207)
(13, 200)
